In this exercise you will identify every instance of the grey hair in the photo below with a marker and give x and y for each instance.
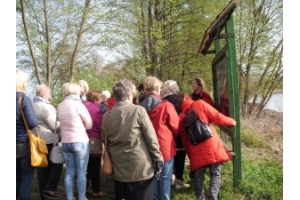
(122, 89)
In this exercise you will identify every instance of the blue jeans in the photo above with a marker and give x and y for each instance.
(76, 157)
(25, 174)
(162, 188)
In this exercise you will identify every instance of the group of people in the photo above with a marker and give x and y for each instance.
(146, 139)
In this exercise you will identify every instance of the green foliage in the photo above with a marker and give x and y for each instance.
(262, 181)
(252, 140)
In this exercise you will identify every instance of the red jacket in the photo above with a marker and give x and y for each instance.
(165, 121)
(211, 150)
(204, 96)
(111, 102)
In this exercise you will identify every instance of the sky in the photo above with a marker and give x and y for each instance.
(290, 102)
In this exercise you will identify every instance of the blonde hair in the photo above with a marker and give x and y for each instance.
(42, 90)
(71, 88)
(151, 83)
(84, 85)
(169, 86)
(21, 81)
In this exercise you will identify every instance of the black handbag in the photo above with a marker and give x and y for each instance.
(196, 130)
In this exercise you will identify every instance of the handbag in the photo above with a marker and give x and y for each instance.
(37, 146)
(107, 165)
(196, 130)
(56, 154)
(95, 145)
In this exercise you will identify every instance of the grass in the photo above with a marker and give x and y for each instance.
(262, 170)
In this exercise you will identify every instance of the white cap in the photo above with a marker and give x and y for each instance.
(106, 93)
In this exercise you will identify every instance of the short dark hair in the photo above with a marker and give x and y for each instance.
(141, 87)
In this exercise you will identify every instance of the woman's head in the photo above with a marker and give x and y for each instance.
(43, 91)
(94, 96)
(21, 81)
(71, 89)
(152, 85)
(84, 87)
(169, 87)
(198, 84)
(124, 90)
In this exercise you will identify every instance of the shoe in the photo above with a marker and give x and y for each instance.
(173, 180)
(180, 185)
(88, 192)
(100, 194)
(47, 194)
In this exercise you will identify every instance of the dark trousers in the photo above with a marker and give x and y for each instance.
(25, 175)
(48, 177)
(93, 173)
(214, 184)
(141, 190)
(179, 162)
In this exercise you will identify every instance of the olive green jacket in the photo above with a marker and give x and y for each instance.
(133, 143)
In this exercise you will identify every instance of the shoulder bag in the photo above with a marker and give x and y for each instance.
(56, 154)
(95, 146)
(107, 165)
(196, 130)
(37, 146)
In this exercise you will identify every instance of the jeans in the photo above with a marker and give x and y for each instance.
(214, 184)
(162, 188)
(76, 158)
(25, 174)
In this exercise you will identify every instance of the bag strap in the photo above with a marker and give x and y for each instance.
(23, 116)
(106, 130)
(54, 144)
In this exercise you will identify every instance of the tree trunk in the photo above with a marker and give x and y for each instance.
(48, 48)
(79, 38)
(30, 44)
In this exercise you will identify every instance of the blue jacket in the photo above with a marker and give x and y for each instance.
(31, 118)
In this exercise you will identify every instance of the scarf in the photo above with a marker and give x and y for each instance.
(40, 99)
(73, 97)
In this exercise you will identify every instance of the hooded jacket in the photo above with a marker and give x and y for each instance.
(165, 121)
(211, 150)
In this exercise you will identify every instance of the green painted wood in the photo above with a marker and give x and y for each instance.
(232, 79)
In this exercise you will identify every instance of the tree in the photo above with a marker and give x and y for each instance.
(259, 52)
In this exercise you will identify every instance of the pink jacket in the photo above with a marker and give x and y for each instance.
(71, 115)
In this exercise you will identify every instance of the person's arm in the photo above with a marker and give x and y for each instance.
(150, 136)
(172, 119)
(31, 118)
(215, 116)
(49, 116)
(98, 119)
(85, 116)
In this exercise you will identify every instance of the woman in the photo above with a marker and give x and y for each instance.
(84, 89)
(25, 172)
(94, 100)
(48, 177)
(74, 121)
(199, 93)
(169, 92)
(165, 121)
(104, 104)
(132, 143)
(209, 153)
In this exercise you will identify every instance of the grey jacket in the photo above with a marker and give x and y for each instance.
(133, 144)
(47, 116)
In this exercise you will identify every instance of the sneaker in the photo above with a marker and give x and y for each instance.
(180, 185)
(47, 194)
(173, 180)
